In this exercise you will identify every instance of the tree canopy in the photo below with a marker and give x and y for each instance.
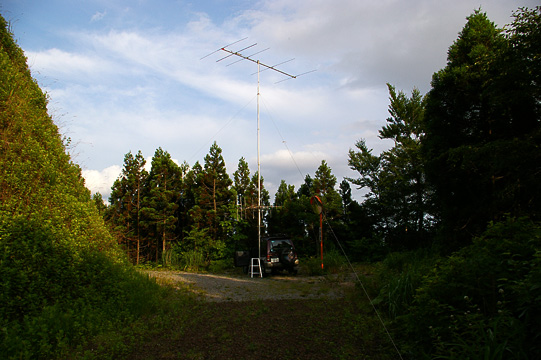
(482, 127)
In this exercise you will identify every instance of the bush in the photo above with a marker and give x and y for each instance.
(54, 298)
(367, 249)
(220, 266)
(402, 274)
(333, 263)
(484, 301)
(192, 260)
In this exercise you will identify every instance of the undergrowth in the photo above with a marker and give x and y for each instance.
(481, 302)
(55, 300)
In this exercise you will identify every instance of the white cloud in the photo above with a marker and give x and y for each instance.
(101, 181)
(56, 62)
(371, 42)
(98, 16)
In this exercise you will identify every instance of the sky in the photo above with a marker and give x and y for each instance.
(130, 75)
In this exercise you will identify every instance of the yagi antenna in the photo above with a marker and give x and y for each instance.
(214, 52)
(283, 62)
(244, 57)
(232, 53)
(266, 67)
(239, 60)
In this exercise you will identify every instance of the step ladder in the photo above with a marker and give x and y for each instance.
(255, 263)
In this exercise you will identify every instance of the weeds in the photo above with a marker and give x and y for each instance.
(479, 302)
(333, 263)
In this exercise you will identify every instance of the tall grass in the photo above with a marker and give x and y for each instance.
(191, 260)
(333, 262)
(399, 275)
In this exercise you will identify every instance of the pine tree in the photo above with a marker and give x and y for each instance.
(98, 200)
(283, 218)
(323, 186)
(398, 198)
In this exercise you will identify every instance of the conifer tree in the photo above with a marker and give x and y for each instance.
(241, 185)
(98, 200)
(214, 205)
(161, 202)
(323, 186)
(126, 203)
(398, 199)
(482, 126)
(283, 218)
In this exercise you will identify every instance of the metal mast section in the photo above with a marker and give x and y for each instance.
(267, 67)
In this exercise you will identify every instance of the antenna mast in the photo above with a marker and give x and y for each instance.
(267, 67)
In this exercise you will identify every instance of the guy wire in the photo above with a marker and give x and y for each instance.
(362, 286)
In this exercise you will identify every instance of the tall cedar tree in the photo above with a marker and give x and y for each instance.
(243, 232)
(161, 202)
(100, 205)
(482, 127)
(282, 219)
(265, 198)
(188, 201)
(126, 202)
(185, 201)
(247, 200)
(324, 186)
(241, 185)
(213, 196)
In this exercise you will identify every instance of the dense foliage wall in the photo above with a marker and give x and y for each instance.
(483, 127)
(476, 293)
(63, 276)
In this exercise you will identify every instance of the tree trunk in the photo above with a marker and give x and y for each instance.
(214, 193)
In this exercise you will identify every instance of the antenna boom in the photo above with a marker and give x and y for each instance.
(237, 53)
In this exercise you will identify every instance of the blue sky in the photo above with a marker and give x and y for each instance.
(127, 75)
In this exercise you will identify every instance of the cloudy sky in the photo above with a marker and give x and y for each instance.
(127, 75)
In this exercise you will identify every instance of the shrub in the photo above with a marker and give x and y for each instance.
(484, 300)
(333, 262)
(54, 298)
(367, 249)
(402, 274)
(220, 266)
(192, 260)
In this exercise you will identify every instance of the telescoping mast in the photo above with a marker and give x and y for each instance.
(241, 56)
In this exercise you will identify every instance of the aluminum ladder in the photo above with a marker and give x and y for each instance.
(255, 263)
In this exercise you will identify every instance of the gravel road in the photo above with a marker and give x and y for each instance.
(220, 288)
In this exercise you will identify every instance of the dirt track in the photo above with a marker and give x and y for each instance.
(279, 317)
(244, 288)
